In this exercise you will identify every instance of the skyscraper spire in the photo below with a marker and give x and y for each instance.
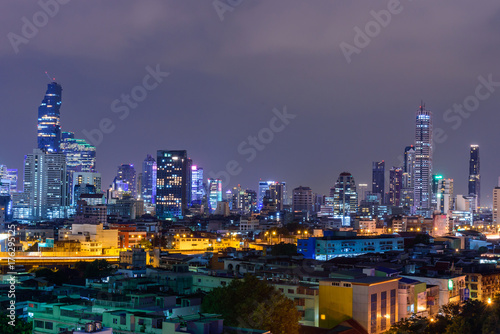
(49, 127)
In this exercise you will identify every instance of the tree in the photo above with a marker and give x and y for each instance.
(95, 269)
(20, 326)
(146, 244)
(284, 249)
(252, 303)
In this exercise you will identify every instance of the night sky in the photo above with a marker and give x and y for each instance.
(227, 76)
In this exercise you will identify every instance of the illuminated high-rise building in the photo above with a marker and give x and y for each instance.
(45, 184)
(49, 127)
(197, 188)
(423, 161)
(345, 198)
(395, 185)
(125, 180)
(173, 183)
(474, 175)
(80, 155)
(378, 179)
(263, 187)
(214, 193)
(148, 182)
(277, 194)
(496, 205)
(8, 180)
(302, 201)
(362, 191)
(445, 195)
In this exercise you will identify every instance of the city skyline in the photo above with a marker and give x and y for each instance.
(230, 115)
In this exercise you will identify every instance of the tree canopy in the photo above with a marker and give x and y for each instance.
(252, 303)
(471, 317)
(20, 326)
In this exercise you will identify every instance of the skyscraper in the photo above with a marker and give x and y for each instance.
(277, 192)
(80, 155)
(148, 183)
(302, 201)
(395, 185)
(263, 187)
(45, 184)
(49, 128)
(474, 175)
(214, 193)
(173, 183)
(345, 198)
(423, 161)
(378, 179)
(197, 188)
(496, 205)
(445, 195)
(125, 180)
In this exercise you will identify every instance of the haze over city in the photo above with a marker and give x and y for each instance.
(226, 77)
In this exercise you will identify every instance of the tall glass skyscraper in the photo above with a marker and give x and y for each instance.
(423, 161)
(474, 175)
(263, 187)
(49, 127)
(80, 155)
(345, 198)
(148, 185)
(197, 189)
(395, 185)
(214, 193)
(378, 179)
(126, 180)
(173, 184)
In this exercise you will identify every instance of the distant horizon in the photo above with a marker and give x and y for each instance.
(176, 75)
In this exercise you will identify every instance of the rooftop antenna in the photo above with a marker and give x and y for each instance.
(48, 76)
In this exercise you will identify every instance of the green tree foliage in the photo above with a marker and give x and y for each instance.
(95, 269)
(56, 276)
(20, 326)
(284, 249)
(471, 317)
(252, 303)
(146, 244)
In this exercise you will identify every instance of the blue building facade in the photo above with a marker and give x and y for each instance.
(327, 248)
(49, 126)
(148, 191)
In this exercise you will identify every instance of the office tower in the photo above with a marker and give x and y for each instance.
(445, 195)
(395, 185)
(496, 205)
(214, 193)
(85, 183)
(173, 186)
(263, 187)
(409, 159)
(423, 161)
(148, 182)
(45, 184)
(197, 188)
(49, 128)
(345, 198)
(125, 180)
(302, 200)
(474, 175)
(434, 191)
(80, 155)
(277, 192)
(8, 180)
(362, 191)
(378, 179)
